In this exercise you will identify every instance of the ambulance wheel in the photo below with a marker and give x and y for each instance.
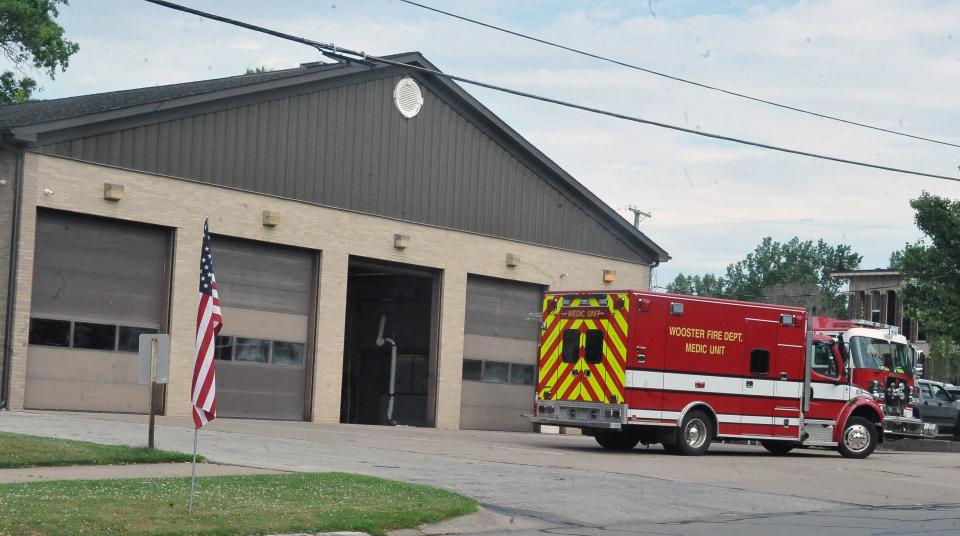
(777, 448)
(620, 441)
(695, 434)
(859, 438)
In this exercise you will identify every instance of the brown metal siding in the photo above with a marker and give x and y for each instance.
(348, 147)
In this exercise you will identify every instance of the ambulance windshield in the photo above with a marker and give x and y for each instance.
(880, 354)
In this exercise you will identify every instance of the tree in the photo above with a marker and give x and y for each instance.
(695, 285)
(931, 273)
(943, 361)
(30, 37)
(258, 70)
(931, 267)
(796, 272)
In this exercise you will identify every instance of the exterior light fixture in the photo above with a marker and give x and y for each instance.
(271, 218)
(609, 276)
(400, 241)
(512, 260)
(112, 192)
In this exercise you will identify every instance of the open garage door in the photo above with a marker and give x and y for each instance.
(501, 332)
(264, 356)
(391, 333)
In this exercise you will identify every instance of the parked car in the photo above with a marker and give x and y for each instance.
(935, 404)
(953, 389)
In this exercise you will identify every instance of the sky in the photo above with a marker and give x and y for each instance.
(894, 64)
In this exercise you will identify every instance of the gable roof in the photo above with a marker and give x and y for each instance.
(43, 111)
(22, 123)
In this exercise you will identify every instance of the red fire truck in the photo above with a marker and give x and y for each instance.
(633, 366)
(878, 361)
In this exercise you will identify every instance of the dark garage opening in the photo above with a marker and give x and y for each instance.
(402, 298)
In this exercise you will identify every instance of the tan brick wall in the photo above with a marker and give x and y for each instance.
(331, 322)
(24, 283)
(338, 234)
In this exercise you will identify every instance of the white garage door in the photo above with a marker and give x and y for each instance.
(98, 283)
(262, 353)
(500, 353)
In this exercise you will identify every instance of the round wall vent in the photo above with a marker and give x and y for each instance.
(407, 97)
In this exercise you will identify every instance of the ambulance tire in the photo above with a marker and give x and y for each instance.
(695, 434)
(859, 438)
(620, 441)
(777, 448)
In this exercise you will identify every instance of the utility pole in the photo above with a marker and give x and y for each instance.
(637, 213)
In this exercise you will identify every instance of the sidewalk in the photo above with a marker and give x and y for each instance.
(105, 472)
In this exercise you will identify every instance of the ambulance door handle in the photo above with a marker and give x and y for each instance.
(749, 383)
(586, 373)
(784, 376)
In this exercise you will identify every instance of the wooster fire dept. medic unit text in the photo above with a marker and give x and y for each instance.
(631, 366)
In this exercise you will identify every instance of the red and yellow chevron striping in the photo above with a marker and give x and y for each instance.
(583, 348)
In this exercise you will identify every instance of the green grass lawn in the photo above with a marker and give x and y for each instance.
(18, 450)
(253, 504)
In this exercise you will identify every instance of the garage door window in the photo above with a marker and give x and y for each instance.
(287, 353)
(472, 369)
(128, 338)
(46, 332)
(86, 335)
(248, 350)
(521, 374)
(253, 350)
(497, 372)
(91, 336)
(223, 348)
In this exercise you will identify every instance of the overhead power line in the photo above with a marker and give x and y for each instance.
(344, 54)
(672, 77)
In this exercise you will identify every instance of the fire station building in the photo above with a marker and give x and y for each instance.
(352, 208)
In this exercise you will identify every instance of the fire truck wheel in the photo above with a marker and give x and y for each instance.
(777, 448)
(695, 434)
(620, 441)
(859, 438)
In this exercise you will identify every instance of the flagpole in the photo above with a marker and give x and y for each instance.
(193, 473)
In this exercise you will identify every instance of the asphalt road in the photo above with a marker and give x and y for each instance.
(567, 485)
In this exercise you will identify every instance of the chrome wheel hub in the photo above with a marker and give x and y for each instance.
(856, 438)
(695, 433)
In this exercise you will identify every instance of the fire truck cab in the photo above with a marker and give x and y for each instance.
(879, 362)
(633, 366)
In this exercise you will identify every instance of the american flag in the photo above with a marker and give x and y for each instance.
(209, 322)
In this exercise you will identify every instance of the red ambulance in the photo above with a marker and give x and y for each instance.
(632, 366)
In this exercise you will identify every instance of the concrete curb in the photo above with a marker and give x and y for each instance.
(921, 445)
(323, 534)
(481, 521)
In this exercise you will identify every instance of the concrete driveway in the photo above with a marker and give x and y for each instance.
(568, 485)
